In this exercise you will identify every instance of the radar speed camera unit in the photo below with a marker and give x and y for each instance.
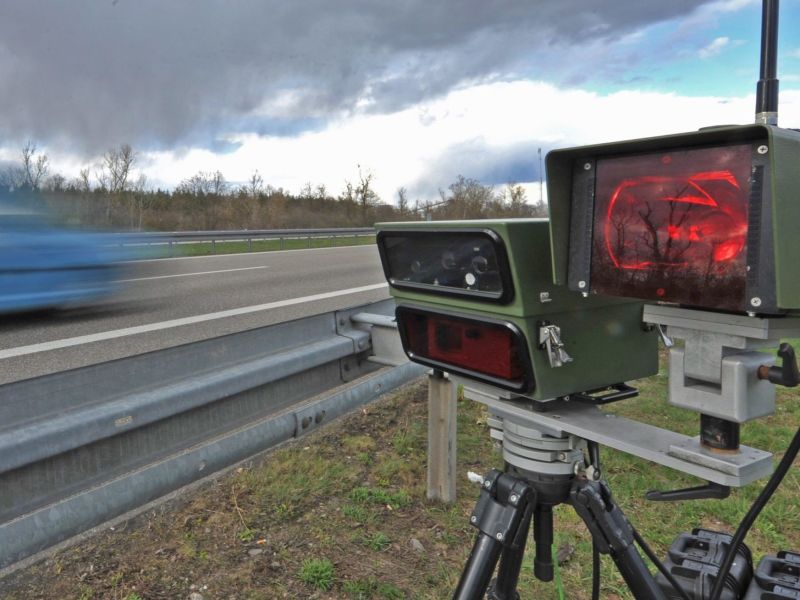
(706, 219)
(477, 299)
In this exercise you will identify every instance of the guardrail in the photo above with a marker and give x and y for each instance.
(81, 447)
(170, 238)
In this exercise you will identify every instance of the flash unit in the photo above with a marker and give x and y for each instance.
(702, 220)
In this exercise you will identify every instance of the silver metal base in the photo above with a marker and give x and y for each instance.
(668, 448)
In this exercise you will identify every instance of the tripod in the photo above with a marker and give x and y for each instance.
(541, 472)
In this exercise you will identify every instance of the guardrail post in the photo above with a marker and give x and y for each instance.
(213, 246)
(441, 437)
(249, 244)
(170, 249)
(282, 243)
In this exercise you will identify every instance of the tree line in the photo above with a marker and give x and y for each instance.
(114, 194)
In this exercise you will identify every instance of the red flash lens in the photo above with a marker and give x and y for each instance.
(673, 227)
(487, 351)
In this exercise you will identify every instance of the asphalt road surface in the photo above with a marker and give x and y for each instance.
(174, 301)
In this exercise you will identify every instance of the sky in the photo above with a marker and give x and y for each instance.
(411, 92)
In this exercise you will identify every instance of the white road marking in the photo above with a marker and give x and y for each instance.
(189, 274)
(118, 333)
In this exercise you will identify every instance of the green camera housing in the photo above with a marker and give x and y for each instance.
(604, 337)
(704, 219)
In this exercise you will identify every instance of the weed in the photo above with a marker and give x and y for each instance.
(247, 535)
(360, 495)
(393, 499)
(403, 443)
(318, 573)
(378, 541)
(365, 458)
(367, 589)
(357, 513)
(284, 510)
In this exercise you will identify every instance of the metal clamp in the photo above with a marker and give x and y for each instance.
(550, 340)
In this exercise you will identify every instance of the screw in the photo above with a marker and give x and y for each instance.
(762, 149)
(513, 498)
(499, 536)
(587, 166)
(562, 456)
(581, 284)
(473, 519)
(756, 301)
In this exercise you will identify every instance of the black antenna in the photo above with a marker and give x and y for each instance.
(767, 90)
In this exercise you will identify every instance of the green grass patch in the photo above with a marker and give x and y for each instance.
(377, 541)
(318, 573)
(371, 588)
(389, 498)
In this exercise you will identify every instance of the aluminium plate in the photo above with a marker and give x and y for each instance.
(667, 448)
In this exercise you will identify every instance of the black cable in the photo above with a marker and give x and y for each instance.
(752, 514)
(595, 572)
(594, 460)
(659, 565)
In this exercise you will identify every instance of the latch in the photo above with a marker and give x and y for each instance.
(550, 341)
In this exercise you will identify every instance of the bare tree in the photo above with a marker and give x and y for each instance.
(116, 167)
(255, 185)
(203, 184)
(34, 167)
(30, 173)
(56, 182)
(82, 181)
(365, 196)
(402, 202)
(141, 198)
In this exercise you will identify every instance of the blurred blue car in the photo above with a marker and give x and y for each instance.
(43, 265)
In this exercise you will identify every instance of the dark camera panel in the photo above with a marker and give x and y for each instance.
(471, 263)
(488, 351)
(673, 226)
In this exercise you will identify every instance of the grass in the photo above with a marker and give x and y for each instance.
(318, 573)
(343, 513)
(240, 247)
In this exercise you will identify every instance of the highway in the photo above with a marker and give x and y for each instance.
(169, 302)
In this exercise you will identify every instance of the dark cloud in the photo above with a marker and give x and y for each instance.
(90, 74)
(477, 160)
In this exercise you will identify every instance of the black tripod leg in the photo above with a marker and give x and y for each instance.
(543, 536)
(505, 586)
(613, 534)
(504, 507)
(480, 566)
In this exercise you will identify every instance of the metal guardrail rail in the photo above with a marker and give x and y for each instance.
(170, 238)
(80, 447)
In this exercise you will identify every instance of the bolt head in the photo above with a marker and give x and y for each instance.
(587, 166)
(582, 284)
(487, 484)
(513, 498)
(755, 301)
(762, 149)
(473, 519)
(499, 536)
